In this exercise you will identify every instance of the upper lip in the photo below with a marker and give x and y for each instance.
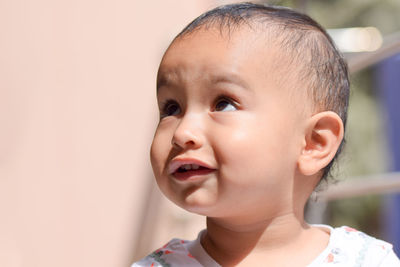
(175, 164)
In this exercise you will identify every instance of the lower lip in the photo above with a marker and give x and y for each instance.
(190, 175)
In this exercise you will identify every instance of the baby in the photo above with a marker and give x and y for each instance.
(253, 102)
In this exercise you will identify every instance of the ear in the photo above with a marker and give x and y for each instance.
(323, 135)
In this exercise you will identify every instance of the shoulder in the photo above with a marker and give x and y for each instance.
(359, 249)
(173, 253)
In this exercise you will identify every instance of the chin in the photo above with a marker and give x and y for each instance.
(199, 208)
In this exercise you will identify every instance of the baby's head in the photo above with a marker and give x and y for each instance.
(253, 101)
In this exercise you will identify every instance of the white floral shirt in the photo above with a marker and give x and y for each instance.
(347, 247)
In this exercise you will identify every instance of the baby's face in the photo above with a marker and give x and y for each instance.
(229, 136)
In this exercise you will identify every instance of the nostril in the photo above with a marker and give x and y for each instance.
(184, 137)
(175, 144)
(178, 145)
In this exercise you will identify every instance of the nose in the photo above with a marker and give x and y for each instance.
(188, 133)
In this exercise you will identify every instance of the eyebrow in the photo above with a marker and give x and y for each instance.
(163, 80)
(231, 78)
(166, 79)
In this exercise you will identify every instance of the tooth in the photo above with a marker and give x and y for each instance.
(195, 167)
(187, 166)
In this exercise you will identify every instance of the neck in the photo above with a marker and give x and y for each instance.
(230, 243)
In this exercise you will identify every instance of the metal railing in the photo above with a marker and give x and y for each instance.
(386, 183)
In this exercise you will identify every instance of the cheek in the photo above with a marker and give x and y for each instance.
(158, 157)
(159, 153)
(254, 151)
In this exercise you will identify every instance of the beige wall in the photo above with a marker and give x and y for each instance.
(77, 113)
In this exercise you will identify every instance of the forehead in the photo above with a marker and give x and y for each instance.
(207, 53)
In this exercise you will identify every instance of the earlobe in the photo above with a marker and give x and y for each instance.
(322, 138)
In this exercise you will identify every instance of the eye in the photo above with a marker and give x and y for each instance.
(170, 108)
(225, 104)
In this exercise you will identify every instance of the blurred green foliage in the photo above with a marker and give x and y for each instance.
(382, 14)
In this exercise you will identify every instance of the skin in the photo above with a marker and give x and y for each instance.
(223, 105)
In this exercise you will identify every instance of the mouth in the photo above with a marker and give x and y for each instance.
(188, 169)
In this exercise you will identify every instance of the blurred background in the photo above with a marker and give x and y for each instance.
(78, 111)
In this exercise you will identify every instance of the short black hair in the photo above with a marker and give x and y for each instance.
(321, 66)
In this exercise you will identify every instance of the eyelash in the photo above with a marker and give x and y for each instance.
(164, 112)
(225, 98)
